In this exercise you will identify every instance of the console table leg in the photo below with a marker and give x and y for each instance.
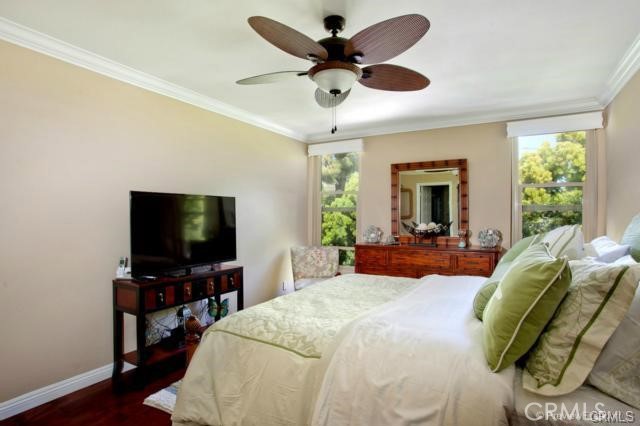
(118, 345)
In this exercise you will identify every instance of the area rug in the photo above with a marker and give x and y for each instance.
(164, 399)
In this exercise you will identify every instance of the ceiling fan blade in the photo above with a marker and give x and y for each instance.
(287, 39)
(327, 100)
(272, 77)
(392, 77)
(387, 39)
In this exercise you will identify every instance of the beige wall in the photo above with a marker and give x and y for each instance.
(487, 150)
(623, 150)
(73, 143)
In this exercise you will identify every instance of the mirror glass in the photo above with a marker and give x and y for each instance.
(430, 195)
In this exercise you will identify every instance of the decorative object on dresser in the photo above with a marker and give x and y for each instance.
(429, 230)
(490, 238)
(464, 238)
(390, 240)
(140, 297)
(372, 234)
(415, 261)
(441, 196)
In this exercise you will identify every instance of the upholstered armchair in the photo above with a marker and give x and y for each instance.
(313, 264)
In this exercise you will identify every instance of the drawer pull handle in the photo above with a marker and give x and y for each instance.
(231, 282)
(161, 297)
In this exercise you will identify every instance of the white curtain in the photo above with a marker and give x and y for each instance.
(590, 190)
(314, 216)
(595, 191)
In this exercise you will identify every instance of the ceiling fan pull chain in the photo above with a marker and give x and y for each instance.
(334, 113)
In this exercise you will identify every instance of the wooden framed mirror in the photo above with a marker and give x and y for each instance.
(439, 192)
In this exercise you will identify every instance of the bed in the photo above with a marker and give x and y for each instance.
(353, 350)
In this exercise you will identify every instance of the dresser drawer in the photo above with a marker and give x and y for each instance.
(229, 282)
(433, 260)
(159, 297)
(474, 264)
(371, 256)
(384, 270)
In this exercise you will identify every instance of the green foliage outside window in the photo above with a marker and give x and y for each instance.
(561, 162)
(340, 182)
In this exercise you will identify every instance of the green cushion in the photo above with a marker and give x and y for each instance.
(599, 296)
(519, 247)
(524, 302)
(488, 288)
(632, 237)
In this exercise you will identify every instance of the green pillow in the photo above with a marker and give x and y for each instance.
(488, 288)
(598, 299)
(523, 304)
(519, 247)
(632, 237)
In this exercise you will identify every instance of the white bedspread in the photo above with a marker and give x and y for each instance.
(418, 361)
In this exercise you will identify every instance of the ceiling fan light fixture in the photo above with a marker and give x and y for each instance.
(335, 80)
(335, 77)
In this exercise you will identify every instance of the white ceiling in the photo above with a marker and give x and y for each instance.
(487, 60)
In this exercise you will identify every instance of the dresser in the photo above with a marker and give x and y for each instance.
(415, 261)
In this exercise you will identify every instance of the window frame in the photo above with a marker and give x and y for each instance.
(322, 193)
(588, 186)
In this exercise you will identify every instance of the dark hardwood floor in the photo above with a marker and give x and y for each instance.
(100, 405)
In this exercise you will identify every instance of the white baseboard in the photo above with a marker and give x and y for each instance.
(48, 393)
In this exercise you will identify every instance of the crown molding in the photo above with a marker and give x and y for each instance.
(26, 37)
(48, 393)
(626, 68)
(23, 36)
(545, 110)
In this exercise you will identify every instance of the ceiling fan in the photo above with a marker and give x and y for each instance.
(336, 59)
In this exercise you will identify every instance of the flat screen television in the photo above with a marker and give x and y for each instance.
(173, 233)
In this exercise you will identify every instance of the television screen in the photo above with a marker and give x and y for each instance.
(172, 232)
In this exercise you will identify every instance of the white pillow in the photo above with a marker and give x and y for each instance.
(565, 241)
(625, 260)
(617, 369)
(604, 249)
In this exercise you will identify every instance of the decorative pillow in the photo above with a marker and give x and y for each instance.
(597, 300)
(625, 260)
(488, 288)
(604, 249)
(617, 370)
(631, 237)
(314, 262)
(519, 247)
(523, 304)
(565, 241)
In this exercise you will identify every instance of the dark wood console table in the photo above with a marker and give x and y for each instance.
(416, 261)
(139, 298)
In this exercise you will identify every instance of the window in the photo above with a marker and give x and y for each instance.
(339, 198)
(551, 175)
